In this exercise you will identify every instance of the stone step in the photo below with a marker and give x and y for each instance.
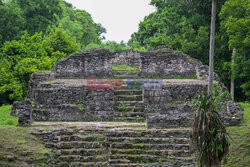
(92, 131)
(99, 118)
(170, 163)
(149, 146)
(92, 138)
(115, 161)
(168, 133)
(143, 158)
(88, 164)
(118, 118)
(129, 119)
(148, 140)
(120, 107)
(135, 158)
(126, 72)
(128, 103)
(85, 152)
(128, 92)
(129, 114)
(162, 153)
(78, 158)
(136, 109)
(126, 76)
(78, 144)
(169, 120)
(128, 98)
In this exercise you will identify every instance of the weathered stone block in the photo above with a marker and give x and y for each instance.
(19, 106)
(93, 63)
(24, 110)
(129, 57)
(64, 112)
(36, 79)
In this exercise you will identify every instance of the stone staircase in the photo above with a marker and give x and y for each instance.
(129, 105)
(80, 148)
(150, 148)
(116, 146)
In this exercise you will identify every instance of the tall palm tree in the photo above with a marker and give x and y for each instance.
(209, 134)
(232, 74)
(211, 50)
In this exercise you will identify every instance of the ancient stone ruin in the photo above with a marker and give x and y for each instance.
(146, 95)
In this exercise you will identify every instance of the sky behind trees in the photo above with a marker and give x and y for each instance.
(120, 17)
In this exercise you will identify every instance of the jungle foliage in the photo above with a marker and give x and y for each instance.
(34, 34)
(185, 25)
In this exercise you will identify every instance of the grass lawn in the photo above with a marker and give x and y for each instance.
(239, 155)
(17, 146)
(5, 119)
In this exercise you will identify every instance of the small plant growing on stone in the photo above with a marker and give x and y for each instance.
(80, 106)
(122, 108)
(209, 134)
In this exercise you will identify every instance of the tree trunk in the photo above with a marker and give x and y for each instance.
(211, 50)
(232, 74)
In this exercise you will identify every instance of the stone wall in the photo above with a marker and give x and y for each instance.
(165, 63)
(19, 106)
(231, 113)
(51, 94)
(129, 57)
(93, 63)
(62, 100)
(63, 112)
(170, 106)
(172, 94)
(100, 100)
(36, 79)
(24, 110)
(182, 116)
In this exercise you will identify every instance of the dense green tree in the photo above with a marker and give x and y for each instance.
(34, 34)
(19, 59)
(39, 15)
(235, 16)
(80, 24)
(11, 21)
(182, 24)
(185, 26)
(111, 45)
(59, 40)
(31, 16)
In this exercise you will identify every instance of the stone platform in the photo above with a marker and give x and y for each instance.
(76, 100)
(90, 112)
(114, 144)
(71, 92)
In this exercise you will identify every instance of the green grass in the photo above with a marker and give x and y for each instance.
(5, 118)
(239, 155)
(17, 146)
(124, 67)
